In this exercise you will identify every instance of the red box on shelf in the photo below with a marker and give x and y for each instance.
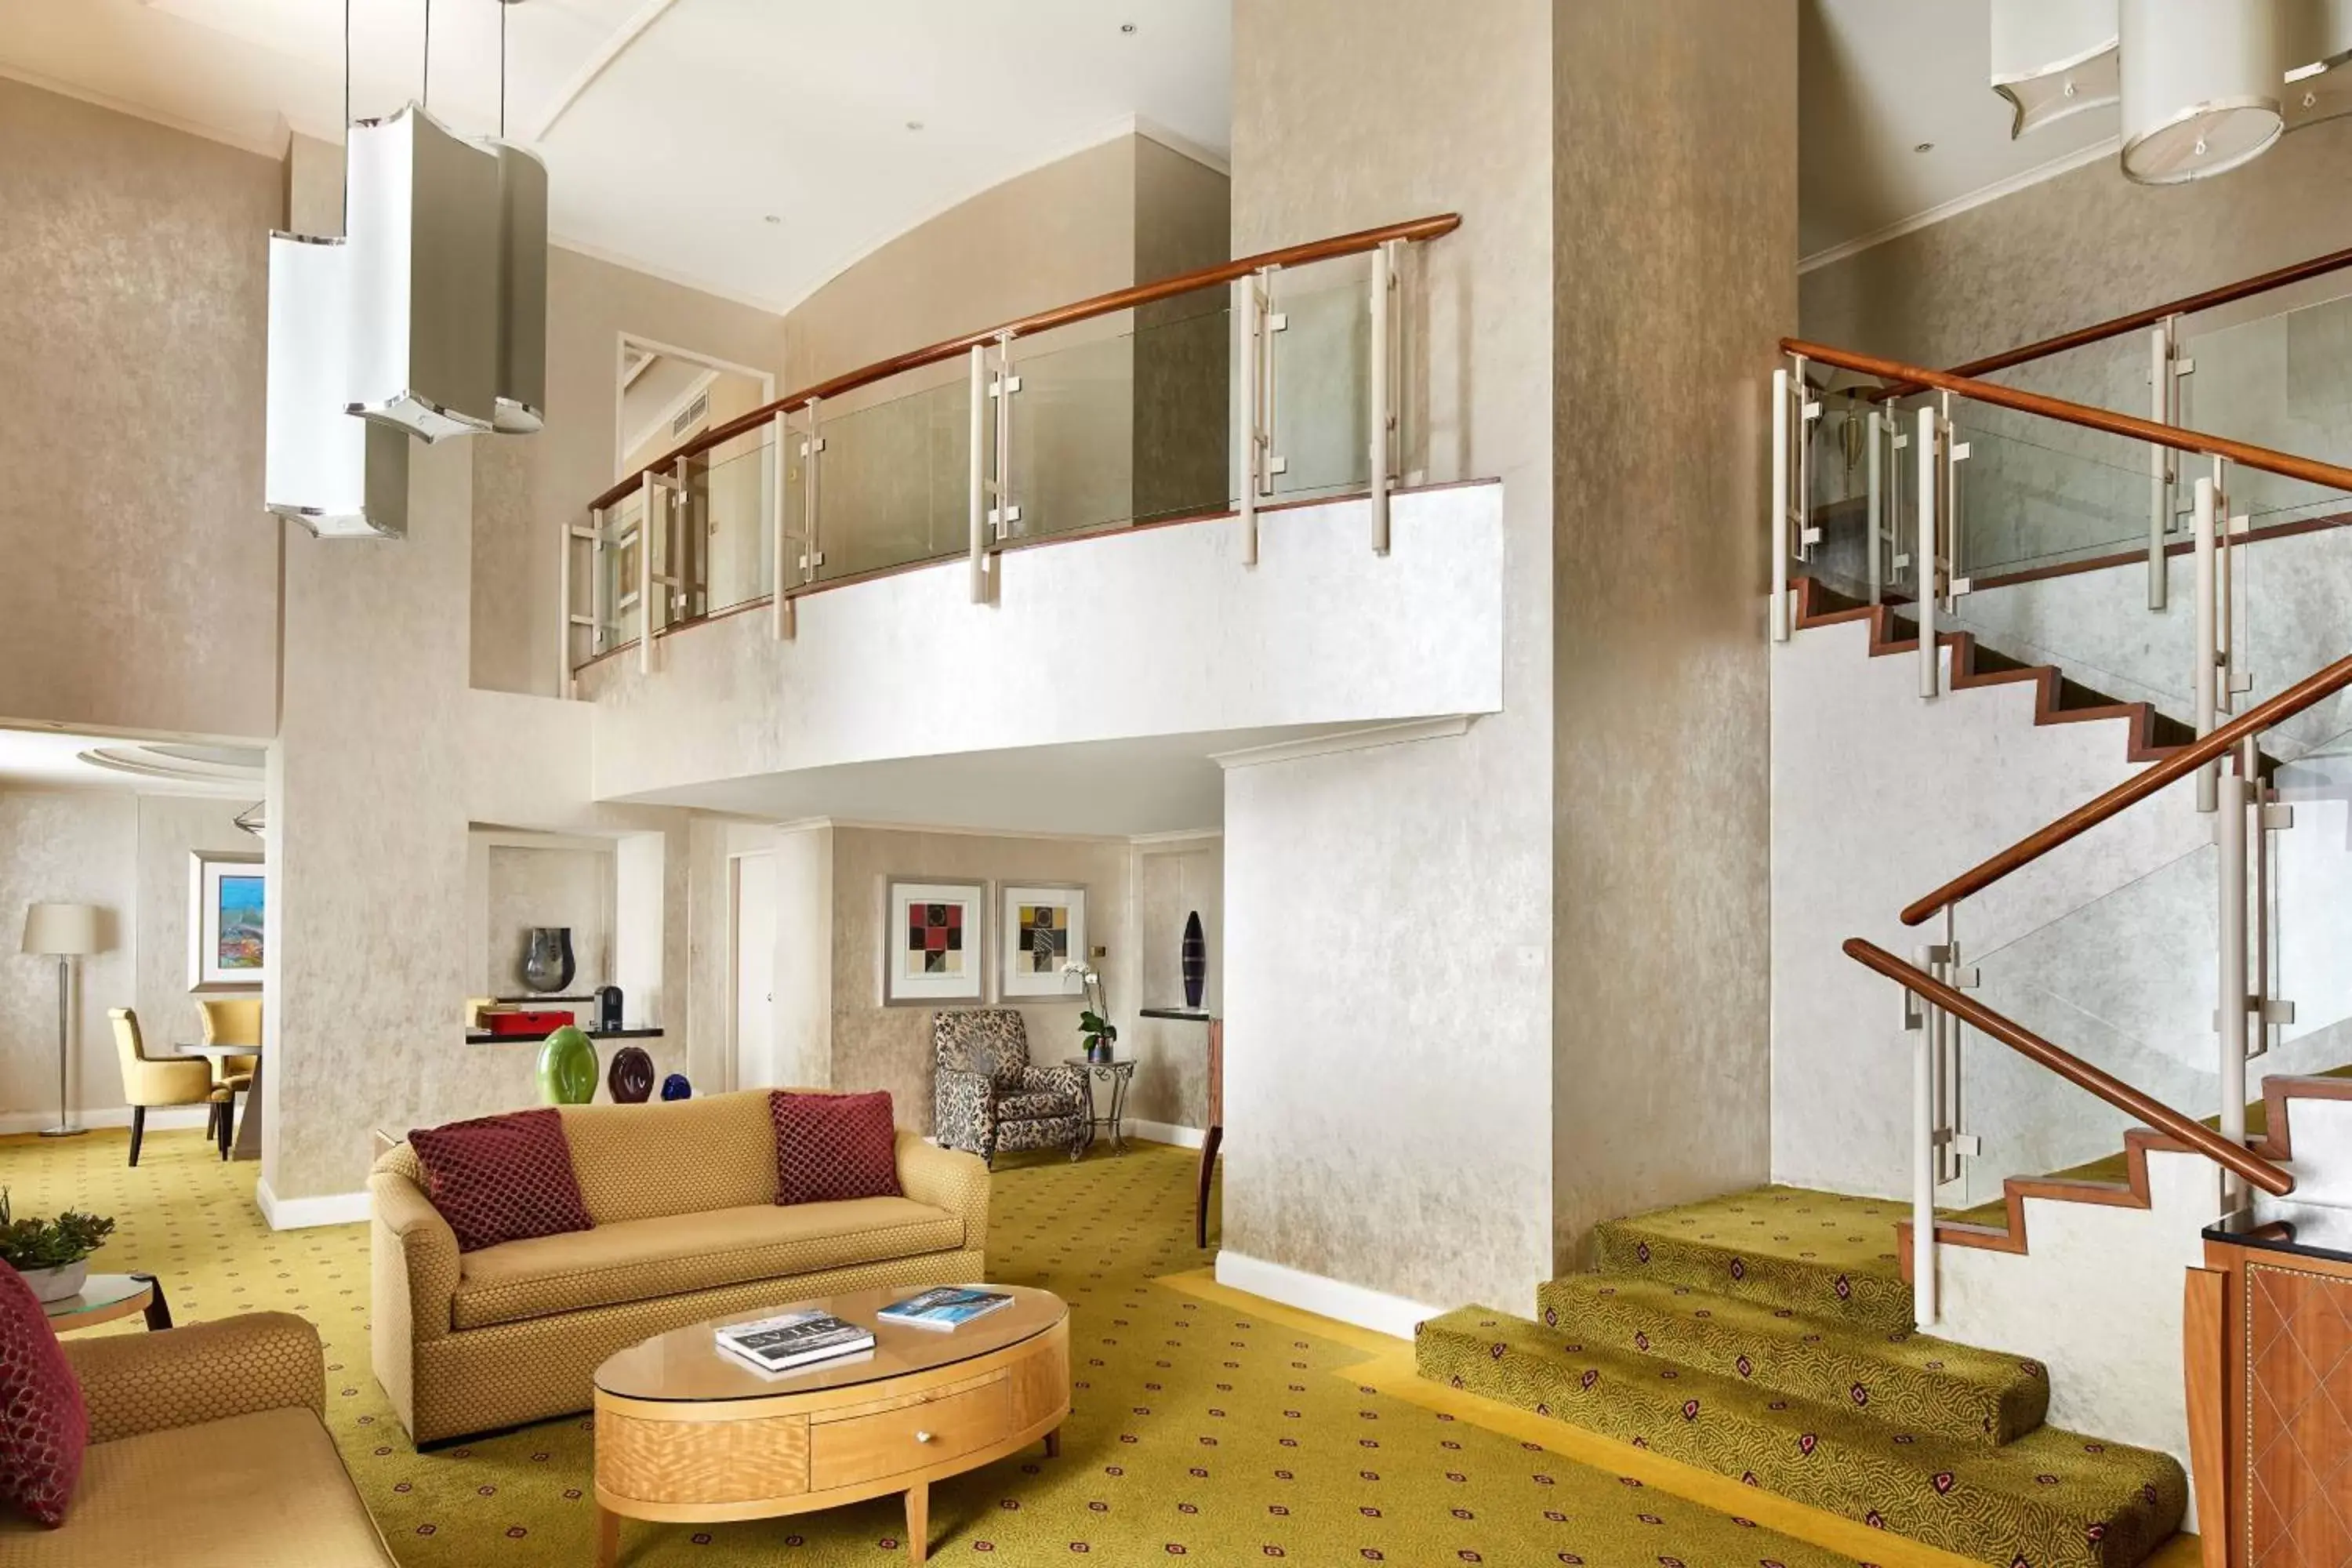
(525, 1021)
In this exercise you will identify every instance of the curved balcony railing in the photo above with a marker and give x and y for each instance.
(1271, 379)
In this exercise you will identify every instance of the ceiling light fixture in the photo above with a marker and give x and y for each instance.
(771, 217)
(914, 125)
(1127, 26)
(1923, 147)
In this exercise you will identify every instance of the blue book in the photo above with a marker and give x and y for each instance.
(947, 1307)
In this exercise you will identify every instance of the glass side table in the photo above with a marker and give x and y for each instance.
(1120, 1072)
(108, 1298)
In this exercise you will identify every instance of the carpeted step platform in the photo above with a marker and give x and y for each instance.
(1928, 1384)
(1816, 1253)
(2048, 1500)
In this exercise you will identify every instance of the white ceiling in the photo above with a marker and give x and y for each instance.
(1159, 783)
(679, 126)
(50, 758)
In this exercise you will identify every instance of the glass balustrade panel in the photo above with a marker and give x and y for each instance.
(2308, 891)
(1321, 389)
(1073, 464)
(734, 485)
(893, 480)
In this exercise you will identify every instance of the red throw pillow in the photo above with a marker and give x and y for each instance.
(501, 1178)
(833, 1146)
(44, 1425)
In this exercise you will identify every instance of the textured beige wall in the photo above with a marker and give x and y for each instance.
(71, 847)
(141, 589)
(528, 887)
(1674, 182)
(2080, 249)
(1347, 1155)
(169, 829)
(875, 1046)
(1170, 881)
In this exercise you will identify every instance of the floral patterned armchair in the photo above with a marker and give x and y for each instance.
(989, 1096)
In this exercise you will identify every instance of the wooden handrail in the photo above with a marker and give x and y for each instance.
(1117, 299)
(2313, 688)
(2188, 305)
(2273, 1179)
(2284, 464)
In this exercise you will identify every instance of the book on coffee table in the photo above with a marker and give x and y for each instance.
(793, 1338)
(947, 1307)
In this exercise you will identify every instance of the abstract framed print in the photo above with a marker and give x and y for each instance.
(228, 907)
(1044, 928)
(933, 942)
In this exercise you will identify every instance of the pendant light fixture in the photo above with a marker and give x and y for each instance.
(427, 318)
(2052, 58)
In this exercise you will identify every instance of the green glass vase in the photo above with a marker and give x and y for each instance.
(567, 1068)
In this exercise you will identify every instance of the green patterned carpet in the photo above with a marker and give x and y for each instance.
(1197, 1430)
(1766, 1335)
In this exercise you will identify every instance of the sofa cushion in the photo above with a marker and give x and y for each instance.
(637, 1260)
(44, 1425)
(501, 1178)
(264, 1490)
(627, 1156)
(830, 1147)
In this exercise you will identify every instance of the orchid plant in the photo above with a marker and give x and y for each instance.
(1094, 1024)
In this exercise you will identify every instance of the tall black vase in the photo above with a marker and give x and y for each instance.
(547, 963)
(1196, 960)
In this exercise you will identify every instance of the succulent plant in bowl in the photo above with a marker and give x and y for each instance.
(53, 1255)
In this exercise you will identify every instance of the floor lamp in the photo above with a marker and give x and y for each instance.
(63, 932)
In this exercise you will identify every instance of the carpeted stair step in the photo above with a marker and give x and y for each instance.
(2051, 1500)
(1821, 1254)
(1926, 1385)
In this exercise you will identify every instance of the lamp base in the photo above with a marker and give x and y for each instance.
(63, 1131)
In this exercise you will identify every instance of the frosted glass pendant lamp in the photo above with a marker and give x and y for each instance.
(339, 476)
(2052, 58)
(424, 230)
(521, 378)
(2201, 86)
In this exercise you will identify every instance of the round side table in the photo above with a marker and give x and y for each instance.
(1120, 1071)
(108, 1298)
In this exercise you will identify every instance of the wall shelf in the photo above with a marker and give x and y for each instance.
(478, 1038)
(1183, 1015)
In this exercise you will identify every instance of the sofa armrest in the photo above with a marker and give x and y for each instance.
(420, 1285)
(1060, 1078)
(947, 1179)
(205, 1371)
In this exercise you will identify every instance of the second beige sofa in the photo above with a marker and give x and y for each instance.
(686, 1227)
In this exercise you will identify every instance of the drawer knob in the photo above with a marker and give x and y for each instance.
(922, 1436)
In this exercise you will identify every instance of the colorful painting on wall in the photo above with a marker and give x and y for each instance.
(228, 900)
(1046, 928)
(932, 947)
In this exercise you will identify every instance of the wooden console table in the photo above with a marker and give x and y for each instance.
(2267, 1342)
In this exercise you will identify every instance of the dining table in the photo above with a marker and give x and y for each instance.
(247, 1145)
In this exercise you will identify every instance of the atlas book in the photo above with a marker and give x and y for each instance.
(948, 1306)
(793, 1338)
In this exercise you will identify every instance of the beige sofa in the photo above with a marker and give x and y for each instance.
(205, 1447)
(686, 1227)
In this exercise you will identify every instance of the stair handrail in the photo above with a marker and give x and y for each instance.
(2132, 322)
(1111, 303)
(2272, 1178)
(2317, 687)
(2310, 471)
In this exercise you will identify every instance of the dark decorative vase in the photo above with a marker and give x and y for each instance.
(567, 1068)
(1196, 960)
(674, 1087)
(547, 963)
(631, 1078)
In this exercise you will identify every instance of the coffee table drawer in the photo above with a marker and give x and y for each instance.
(909, 1437)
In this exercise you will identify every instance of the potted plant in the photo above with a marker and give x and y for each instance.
(1099, 1032)
(53, 1255)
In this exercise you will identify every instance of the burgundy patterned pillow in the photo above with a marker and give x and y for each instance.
(44, 1425)
(501, 1178)
(834, 1146)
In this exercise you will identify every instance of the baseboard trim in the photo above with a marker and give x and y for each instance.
(1357, 1304)
(163, 1118)
(1166, 1132)
(302, 1213)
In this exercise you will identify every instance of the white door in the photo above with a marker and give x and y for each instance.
(753, 1061)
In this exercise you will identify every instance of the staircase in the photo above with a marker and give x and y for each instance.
(1766, 1335)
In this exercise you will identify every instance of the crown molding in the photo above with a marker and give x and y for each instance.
(1175, 839)
(1176, 142)
(1362, 739)
(1983, 196)
(273, 146)
(628, 263)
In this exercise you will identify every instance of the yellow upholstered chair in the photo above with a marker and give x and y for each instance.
(168, 1080)
(232, 1021)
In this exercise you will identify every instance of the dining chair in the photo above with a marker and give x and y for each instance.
(149, 1081)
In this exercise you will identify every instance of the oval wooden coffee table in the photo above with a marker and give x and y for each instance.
(686, 1434)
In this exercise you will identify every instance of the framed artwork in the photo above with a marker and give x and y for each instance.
(1044, 928)
(229, 905)
(933, 942)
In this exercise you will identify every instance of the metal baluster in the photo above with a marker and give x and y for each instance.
(812, 555)
(2163, 401)
(1875, 521)
(648, 498)
(2203, 669)
(1930, 674)
(1778, 529)
(977, 473)
(2231, 835)
(1383, 392)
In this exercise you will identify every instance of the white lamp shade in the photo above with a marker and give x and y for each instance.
(423, 242)
(339, 476)
(62, 930)
(523, 290)
(2201, 86)
(2052, 58)
(2319, 61)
